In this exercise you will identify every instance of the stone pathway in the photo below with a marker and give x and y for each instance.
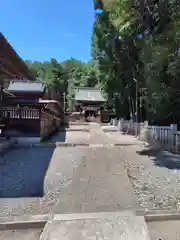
(88, 192)
(164, 230)
(22, 234)
(107, 226)
(90, 205)
(99, 181)
(97, 136)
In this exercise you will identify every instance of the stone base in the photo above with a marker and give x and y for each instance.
(114, 226)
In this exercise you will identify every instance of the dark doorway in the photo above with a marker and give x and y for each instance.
(90, 115)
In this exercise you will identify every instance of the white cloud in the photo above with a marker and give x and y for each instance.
(69, 34)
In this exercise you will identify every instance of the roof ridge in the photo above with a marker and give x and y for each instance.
(26, 81)
(88, 88)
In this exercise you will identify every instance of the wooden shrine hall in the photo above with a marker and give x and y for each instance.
(27, 109)
(29, 112)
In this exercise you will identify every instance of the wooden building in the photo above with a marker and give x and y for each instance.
(89, 102)
(11, 66)
(28, 111)
(26, 108)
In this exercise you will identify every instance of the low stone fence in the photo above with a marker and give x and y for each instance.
(166, 136)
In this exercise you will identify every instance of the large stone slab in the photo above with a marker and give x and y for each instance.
(25, 234)
(165, 230)
(105, 226)
(97, 185)
(77, 137)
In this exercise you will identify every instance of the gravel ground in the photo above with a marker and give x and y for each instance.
(155, 178)
(23, 177)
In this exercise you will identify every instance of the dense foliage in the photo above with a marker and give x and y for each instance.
(58, 74)
(65, 76)
(136, 45)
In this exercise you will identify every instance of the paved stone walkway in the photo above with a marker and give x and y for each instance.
(97, 136)
(89, 192)
(109, 226)
(79, 179)
(100, 182)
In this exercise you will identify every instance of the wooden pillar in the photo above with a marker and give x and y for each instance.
(1, 98)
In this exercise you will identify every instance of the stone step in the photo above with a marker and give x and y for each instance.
(109, 226)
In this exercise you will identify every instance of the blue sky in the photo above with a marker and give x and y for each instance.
(42, 29)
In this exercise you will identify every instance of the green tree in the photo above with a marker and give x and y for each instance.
(140, 41)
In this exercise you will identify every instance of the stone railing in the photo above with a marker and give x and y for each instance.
(166, 136)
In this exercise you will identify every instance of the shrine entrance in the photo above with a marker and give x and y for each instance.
(90, 113)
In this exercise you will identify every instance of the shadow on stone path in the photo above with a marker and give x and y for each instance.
(22, 172)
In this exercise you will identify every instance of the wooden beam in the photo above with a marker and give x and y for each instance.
(12, 60)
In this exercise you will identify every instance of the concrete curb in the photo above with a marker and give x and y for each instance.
(64, 144)
(125, 144)
(39, 145)
(40, 221)
(24, 222)
(110, 130)
(101, 145)
(80, 124)
(94, 215)
(159, 215)
(53, 145)
(76, 130)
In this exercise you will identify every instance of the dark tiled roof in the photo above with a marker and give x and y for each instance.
(89, 94)
(26, 86)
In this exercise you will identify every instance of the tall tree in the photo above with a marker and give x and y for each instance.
(139, 41)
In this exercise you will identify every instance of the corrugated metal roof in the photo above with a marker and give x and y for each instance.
(26, 86)
(89, 94)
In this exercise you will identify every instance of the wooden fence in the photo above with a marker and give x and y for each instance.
(24, 113)
(167, 136)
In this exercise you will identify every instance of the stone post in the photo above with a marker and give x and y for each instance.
(144, 134)
(130, 125)
(121, 124)
(172, 140)
(114, 121)
(1, 102)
